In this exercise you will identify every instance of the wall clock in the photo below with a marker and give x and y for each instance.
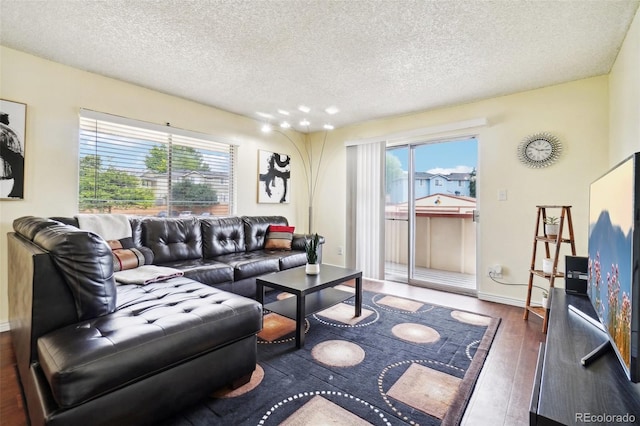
(539, 150)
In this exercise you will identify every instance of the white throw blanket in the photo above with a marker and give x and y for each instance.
(108, 226)
(146, 274)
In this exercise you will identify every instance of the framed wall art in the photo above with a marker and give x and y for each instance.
(13, 119)
(274, 174)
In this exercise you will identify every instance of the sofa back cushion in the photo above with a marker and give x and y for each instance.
(257, 227)
(136, 230)
(172, 239)
(222, 236)
(84, 259)
(29, 226)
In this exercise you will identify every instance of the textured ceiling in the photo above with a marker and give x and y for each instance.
(368, 58)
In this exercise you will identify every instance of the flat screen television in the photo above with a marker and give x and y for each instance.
(614, 259)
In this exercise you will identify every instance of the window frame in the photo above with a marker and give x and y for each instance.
(213, 166)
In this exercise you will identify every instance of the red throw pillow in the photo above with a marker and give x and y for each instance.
(279, 237)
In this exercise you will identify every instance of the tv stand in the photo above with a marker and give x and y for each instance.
(565, 392)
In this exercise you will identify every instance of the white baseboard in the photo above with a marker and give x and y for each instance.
(490, 297)
(4, 326)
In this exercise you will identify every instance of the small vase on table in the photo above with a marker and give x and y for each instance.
(311, 247)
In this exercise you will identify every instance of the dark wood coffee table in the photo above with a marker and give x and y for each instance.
(313, 293)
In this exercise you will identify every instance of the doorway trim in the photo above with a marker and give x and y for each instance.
(408, 136)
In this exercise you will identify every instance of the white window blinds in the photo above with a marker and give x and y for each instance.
(145, 169)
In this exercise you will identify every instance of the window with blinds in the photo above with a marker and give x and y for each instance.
(140, 168)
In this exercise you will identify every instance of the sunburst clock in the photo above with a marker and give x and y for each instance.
(539, 150)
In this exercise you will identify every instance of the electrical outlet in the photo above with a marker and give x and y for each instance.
(495, 271)
(340, 250)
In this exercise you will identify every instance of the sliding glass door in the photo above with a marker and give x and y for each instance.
(430, 234)
(396, 214)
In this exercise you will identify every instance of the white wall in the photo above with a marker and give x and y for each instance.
(576, 112)
(54, 95)
(624, 104)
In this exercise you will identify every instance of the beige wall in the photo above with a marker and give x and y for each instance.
(54, 95)
(624, 101)
(576, 112)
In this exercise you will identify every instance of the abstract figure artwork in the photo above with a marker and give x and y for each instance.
(274, 174)
(12, 137)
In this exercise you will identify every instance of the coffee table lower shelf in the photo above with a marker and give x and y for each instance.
(312, 293)
(314, 302)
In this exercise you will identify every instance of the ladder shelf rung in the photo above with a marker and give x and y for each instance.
(553, 240)
(539, 273)
(537, 310)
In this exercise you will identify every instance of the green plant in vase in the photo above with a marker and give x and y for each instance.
(311, 245)
(545, 299)
(551, 227)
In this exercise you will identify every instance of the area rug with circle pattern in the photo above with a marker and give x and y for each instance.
(401, 362)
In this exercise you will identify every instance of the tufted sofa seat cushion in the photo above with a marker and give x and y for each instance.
(292, 259)
(154, 328)
(252, 263)
(206, 271)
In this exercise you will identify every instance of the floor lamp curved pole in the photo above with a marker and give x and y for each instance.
(307, 161)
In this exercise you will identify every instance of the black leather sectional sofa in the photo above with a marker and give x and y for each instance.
(226, 253)
(93, 352)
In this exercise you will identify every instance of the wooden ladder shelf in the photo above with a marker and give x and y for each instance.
(556, 242)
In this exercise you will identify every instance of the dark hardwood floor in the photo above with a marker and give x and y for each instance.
(12, 409)
(501, 396)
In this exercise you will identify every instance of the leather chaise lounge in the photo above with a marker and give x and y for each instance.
(93, 352)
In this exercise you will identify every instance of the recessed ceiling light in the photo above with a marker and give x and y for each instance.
(304, 108)
(285, 125)
(305, 122)
(264, 114)
(332, 110)
(266, 128)
(328, 127)
(283, 112)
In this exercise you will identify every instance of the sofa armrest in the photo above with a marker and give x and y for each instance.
(298, 241)
(40, 300)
